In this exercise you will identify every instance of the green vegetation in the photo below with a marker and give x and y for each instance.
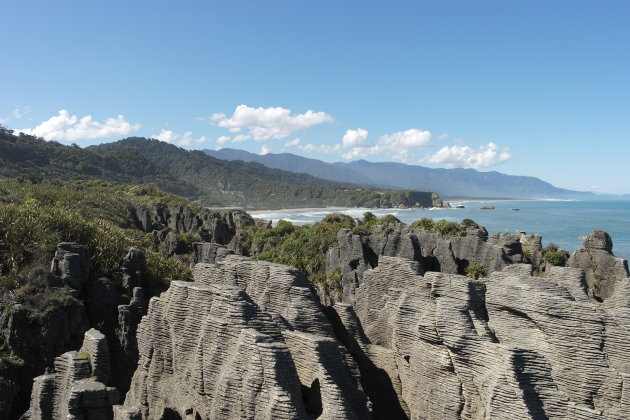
(302, 247)
(35, 217)
(475, 271)
(444, 227)
(527, 256)
(191, 174)
(370, 221)
(33, 160)
(553, 255)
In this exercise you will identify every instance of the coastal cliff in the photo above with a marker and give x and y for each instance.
(431, 320)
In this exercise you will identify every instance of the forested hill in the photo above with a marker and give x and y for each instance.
(28, 155)
(252, 185)
(191, 174)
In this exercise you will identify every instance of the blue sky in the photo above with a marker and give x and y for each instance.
(524, 88)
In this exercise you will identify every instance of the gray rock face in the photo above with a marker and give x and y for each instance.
(75, 391)
(206, 252)
(71, 264)
(246, 339)
(510, 346)
(212, 226)
(604, 272)
(432, 251)
(133, 267)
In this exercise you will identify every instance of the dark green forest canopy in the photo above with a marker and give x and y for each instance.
(191, 174)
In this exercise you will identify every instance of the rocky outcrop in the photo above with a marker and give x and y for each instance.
(604, 272)
(72, 264)
(76, 389)
(431, 250)
(510, 346)
(167, 222)
(34, 338)
(40, 329)
(246, 339)
(206, 252)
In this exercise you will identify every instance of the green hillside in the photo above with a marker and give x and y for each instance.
(23, 154)
(190, 174)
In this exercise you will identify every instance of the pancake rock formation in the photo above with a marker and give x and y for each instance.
(246, 339)
(76, 390)
(510, 346)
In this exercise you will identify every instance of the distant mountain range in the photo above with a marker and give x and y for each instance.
(192, 174)
(446, 182)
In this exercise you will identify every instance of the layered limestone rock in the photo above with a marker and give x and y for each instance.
(72, 264)
(509, 346)
(246, 339)
(167, 222)
(604, 271)
(76, 390)
(433, 251)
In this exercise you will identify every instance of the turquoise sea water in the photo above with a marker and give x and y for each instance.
(561, 222)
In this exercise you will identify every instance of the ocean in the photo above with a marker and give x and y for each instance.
(559, 221)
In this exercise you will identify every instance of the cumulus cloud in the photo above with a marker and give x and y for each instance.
(239, 138)
(412, 138)
(265, 150)
(166, 136)
(467, 157)
(396, 144)
(185, 139)
(292, 143)
(354, 138)
(268, 123)
(65, 126)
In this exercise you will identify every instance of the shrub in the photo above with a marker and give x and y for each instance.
(446, 228)
(425, 224)
(555, 257)
(475, 271)
(185, 241)
(469, 223)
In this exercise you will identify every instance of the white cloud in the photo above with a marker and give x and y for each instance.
(292, 143)
(443, 136)
(354, 138)
(166, 136)
(65, 126)
(269, 123)
(406, 139)
(19, 111)
(398, 144)
(239, 138)
(466, 157)
(310, 147)
(362, 151)
(185, 139)
(321, 148)
(265, 150)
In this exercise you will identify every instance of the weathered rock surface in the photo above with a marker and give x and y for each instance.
(510, 346)
(71, 264)
(246, 339)
(36, 333)
(604, 271)
(167, 222)
(433, 251)
(76, 390)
